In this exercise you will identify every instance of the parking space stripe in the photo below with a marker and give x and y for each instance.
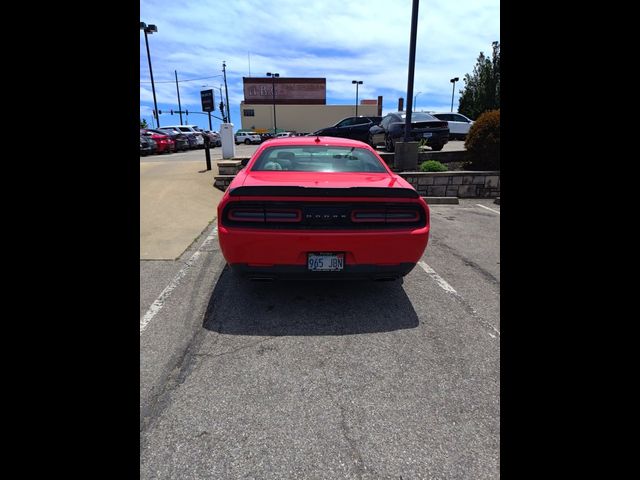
(157, 305)
(439, 280)
(490, 209)
(449, 289)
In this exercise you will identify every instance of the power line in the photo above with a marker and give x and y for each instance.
(190, 80)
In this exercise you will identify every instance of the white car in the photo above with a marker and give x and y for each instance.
(247, 138)
(191, 130)
(459, 125)
(284, 134)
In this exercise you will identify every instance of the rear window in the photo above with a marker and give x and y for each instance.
(419, 117)
(317, 158)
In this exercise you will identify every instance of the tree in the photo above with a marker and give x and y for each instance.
(143, 123)
(482, 88)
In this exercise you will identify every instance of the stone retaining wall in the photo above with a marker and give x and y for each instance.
(465, 184)
(433, 184)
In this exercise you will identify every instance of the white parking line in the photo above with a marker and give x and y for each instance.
(448, 288)
(491, 209)
(157, 305)
(439, 280)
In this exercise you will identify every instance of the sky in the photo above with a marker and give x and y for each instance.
(340, 40)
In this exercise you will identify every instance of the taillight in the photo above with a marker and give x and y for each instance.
(402, 216)
(246, 215)
(367, 216)
(261, 215)
(288, 215)
(385, 216)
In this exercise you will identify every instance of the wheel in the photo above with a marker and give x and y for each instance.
(389, 146)
(436, 147)
(247, 142)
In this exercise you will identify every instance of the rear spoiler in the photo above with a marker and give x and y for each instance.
(286, 191)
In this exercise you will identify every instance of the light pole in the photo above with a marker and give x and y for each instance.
(151, 29)
(414, 99)
(273, 83)
(356, 82)
(453, 80)
(221, 103)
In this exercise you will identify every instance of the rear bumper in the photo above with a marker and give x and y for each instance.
(391, 253)
(300, 272)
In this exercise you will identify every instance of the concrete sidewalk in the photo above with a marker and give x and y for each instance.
(177, 202)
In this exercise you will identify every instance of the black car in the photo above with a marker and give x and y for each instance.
(423, 127)
(180, 140)
(266, 136)
(147, 146)
(355, 128)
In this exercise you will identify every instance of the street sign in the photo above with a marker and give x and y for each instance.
(206, 96)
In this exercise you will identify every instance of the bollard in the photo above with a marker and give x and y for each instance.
(207, 154)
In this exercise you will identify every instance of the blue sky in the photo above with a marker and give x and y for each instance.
(340, 40)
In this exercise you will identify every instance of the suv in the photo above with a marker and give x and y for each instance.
(355, 128)
(191, 130)
(247, 138)
(459, 125)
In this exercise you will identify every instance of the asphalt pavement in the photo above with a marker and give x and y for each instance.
(243, 379)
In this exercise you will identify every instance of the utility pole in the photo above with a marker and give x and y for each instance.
(179, 106)
(224, 71)
(412, 66)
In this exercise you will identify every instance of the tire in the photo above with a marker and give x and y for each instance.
(247, 142)
(389, 146)
(437, 147)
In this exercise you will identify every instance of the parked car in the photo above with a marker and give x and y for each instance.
(285, 134)
(148, 146)
(247, 138)
(180, 140)
(423, 126)
(321, 208)
(459, 125)
(191, 130)
(356, 128)
(163, 141)
(214, 138)
(266, 136)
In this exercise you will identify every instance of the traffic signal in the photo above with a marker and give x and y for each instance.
(172, 111)
(187, 112)
(160, 112)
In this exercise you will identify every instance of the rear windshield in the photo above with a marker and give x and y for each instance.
(419, 117)
(317, 158)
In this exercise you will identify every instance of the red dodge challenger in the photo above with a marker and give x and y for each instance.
(321, 207)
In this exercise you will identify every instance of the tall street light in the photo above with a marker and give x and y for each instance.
(453, 80)
(356, 82)
(151, 29)
(414, 99)
(273, 83)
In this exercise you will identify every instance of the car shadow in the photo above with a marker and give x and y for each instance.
(243, 307)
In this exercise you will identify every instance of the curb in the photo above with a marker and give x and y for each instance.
(442, 200)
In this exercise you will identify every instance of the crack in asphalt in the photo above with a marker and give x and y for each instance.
(182, 366)
(486, 274)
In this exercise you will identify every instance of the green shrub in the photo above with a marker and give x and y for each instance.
(483, 142)
(432, 166)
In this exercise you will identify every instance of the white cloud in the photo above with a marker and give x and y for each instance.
(337, 40)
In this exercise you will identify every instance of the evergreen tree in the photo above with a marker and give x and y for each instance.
(143, 123)
(482, 88)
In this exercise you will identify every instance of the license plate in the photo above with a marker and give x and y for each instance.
(325, 262)
(427, 135)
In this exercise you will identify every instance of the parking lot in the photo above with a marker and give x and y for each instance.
(315, 379)
(243, 150)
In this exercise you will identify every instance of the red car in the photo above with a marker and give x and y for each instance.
(163, 140)
(321, 207)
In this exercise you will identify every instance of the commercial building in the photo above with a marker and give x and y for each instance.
(300, 105)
